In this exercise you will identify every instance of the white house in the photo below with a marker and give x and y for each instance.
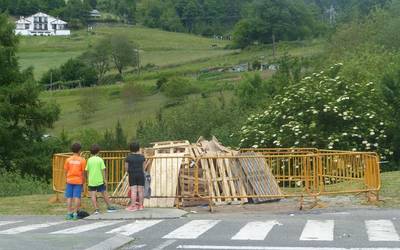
(41, 24)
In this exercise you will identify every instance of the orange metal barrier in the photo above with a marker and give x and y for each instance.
(298, 173)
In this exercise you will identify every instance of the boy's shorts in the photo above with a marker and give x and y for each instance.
(73, 190)
(136, 179)
(100, 189)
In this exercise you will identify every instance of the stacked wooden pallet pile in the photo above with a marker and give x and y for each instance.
(220, 173)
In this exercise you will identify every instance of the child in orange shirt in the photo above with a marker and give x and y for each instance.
(74, 171)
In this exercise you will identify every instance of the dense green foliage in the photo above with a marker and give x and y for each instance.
(91, 67)
(324, 111)
(206, 17)
(275, 20)
(74, 70)
(23, 117)
(286, 19)
(200, 117)
(355, 108)
(15, 184)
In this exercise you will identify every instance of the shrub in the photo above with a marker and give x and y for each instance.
(71, 71)
(178, 87)
(51, 76)
(87, 137)
(322, 110)
(132, 92)
(15, 183)
(111, 79)
(88, 103)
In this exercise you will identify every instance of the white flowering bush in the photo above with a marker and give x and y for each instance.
(324, 111)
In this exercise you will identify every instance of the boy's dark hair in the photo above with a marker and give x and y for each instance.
(94, 149)
(76, 147)
(134, 147)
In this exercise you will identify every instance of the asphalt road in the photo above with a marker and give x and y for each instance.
(322, 229)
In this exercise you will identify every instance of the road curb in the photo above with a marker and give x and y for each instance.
(114, 242)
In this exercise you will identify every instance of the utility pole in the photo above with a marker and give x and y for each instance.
(138, 60)
(273, 45)
(51, 80)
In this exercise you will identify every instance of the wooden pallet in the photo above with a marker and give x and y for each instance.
(259, 178)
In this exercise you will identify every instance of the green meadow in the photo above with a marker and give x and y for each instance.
(157, 47)
(174, 54)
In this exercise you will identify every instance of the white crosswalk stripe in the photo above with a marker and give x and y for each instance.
(255, 230)
(321, 230)
(27, 228)
(85, 228)
(134, 227)
(192, 229)
(3, 223)
(313, 230)
(381, 230)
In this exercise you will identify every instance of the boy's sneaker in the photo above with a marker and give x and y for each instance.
(140, 207)
(111, 209)
(75, 216)
(97, 211)
(69, 216)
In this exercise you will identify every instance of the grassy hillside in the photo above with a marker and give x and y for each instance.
(177, 54)
(157, 47)
(112, 108)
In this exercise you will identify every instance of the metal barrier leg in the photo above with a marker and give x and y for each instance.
(373, 196)
(56, 198)
(301, 202)
(210, 205)
(318, 203)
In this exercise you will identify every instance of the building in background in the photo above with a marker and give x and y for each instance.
(41, 24)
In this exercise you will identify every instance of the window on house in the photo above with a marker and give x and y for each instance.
(27, 26)
(54, 27)
(45, 26)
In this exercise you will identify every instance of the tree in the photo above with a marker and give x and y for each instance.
(120, 138)
(23, 116)
(245, 33)
(73, 70)
(88, 104)
(99, 57)
(275, 20)
(390, 85)
(178, 87)
(123, 52)
(76, 12)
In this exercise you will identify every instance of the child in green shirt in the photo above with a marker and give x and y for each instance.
(96, 171)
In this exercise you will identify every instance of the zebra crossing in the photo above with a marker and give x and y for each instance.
(382, 230)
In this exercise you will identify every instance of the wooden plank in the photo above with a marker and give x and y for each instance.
(230, 179)
(214, 179)
(206, 167)
(224, 182)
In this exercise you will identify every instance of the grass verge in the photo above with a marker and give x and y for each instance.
(41, 205)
